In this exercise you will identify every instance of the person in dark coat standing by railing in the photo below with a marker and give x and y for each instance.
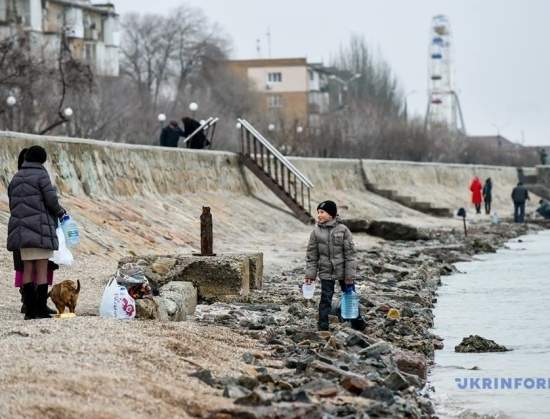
(190, 126)
(171, 134)
(488, 195)
(519, 195)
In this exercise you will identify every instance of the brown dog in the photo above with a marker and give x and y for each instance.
(65, 294)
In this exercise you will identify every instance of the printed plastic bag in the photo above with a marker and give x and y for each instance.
(63, 255)
(116, 303)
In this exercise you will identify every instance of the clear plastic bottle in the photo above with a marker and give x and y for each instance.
(349, 303)
(70, 229)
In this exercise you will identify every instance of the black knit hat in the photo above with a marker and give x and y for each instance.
(36, 154)
(21, 158)
(329, 207)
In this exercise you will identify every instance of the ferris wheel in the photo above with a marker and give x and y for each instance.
(443, 103)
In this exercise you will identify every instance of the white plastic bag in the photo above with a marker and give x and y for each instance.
(116, 303)
(63, 255)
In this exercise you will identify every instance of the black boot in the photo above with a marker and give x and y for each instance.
(42, 311)
(29, 300)
(23, 307)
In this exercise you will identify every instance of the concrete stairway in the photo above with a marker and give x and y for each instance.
(407, 201)
(276, 172)
(528, 176)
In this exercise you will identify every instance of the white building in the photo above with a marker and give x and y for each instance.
(92, 30)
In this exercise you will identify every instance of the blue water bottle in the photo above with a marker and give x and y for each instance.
(70, 230)
(349, 303)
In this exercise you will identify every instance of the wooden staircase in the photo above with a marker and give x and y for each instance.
(406, 201)
(276, 172)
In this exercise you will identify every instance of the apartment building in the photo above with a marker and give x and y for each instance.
(92, 30)
(294, 93)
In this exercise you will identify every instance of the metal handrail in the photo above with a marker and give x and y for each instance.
(205, 125)
(276, 153)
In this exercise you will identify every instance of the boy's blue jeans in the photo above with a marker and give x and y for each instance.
(325, 305)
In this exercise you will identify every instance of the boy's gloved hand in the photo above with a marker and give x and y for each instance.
(348, 281)
(308, 281)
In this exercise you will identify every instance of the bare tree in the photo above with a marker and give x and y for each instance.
(41, 83)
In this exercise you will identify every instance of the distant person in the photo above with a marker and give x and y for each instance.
(488, 195)
(544, 209)
(519, 195)
(190, 126)
(543, 156)
(171, 134)
(475, 188)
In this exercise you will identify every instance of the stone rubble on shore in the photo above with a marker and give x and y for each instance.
(380, 372)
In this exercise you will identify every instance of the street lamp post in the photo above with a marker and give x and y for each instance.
(406, 104)
(161, 118)
(11, 101)
(64, 116)
(193, 107)
(344, 83)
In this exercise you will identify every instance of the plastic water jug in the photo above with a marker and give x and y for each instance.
(495, 219)
(308, 290)
(70, 229)
(349, 303)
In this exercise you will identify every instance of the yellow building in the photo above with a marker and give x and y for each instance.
(283, 84)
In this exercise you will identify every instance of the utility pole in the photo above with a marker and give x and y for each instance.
(268, 35)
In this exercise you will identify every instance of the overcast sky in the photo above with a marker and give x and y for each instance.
(501, 51)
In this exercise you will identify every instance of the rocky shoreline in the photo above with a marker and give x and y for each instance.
(301, 373)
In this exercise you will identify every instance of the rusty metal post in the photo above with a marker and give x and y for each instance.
(207, 233)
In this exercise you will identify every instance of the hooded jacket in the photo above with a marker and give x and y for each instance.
(475, 188)
(34, 208)
(331, 252)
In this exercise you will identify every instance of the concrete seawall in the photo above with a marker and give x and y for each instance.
(445, 185)
(132, 198)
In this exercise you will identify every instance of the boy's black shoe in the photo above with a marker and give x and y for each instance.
(358, 324)
(323, 328)
(28, 294)
(42, 310)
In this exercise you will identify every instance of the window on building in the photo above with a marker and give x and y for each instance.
(53, 16)
(23, 12)
(275, 77)
(274, 101)
(90, 53)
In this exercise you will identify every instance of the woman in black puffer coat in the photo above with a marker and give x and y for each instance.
(34, 210)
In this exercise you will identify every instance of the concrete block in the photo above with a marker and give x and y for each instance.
(187, 292)
(215, 277)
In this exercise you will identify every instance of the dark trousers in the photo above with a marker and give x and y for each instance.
(519, 212)
(487, 206)
(478, 208)
(325, 306)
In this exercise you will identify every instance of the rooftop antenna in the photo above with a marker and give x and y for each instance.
(268, 35)
(259, 47)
